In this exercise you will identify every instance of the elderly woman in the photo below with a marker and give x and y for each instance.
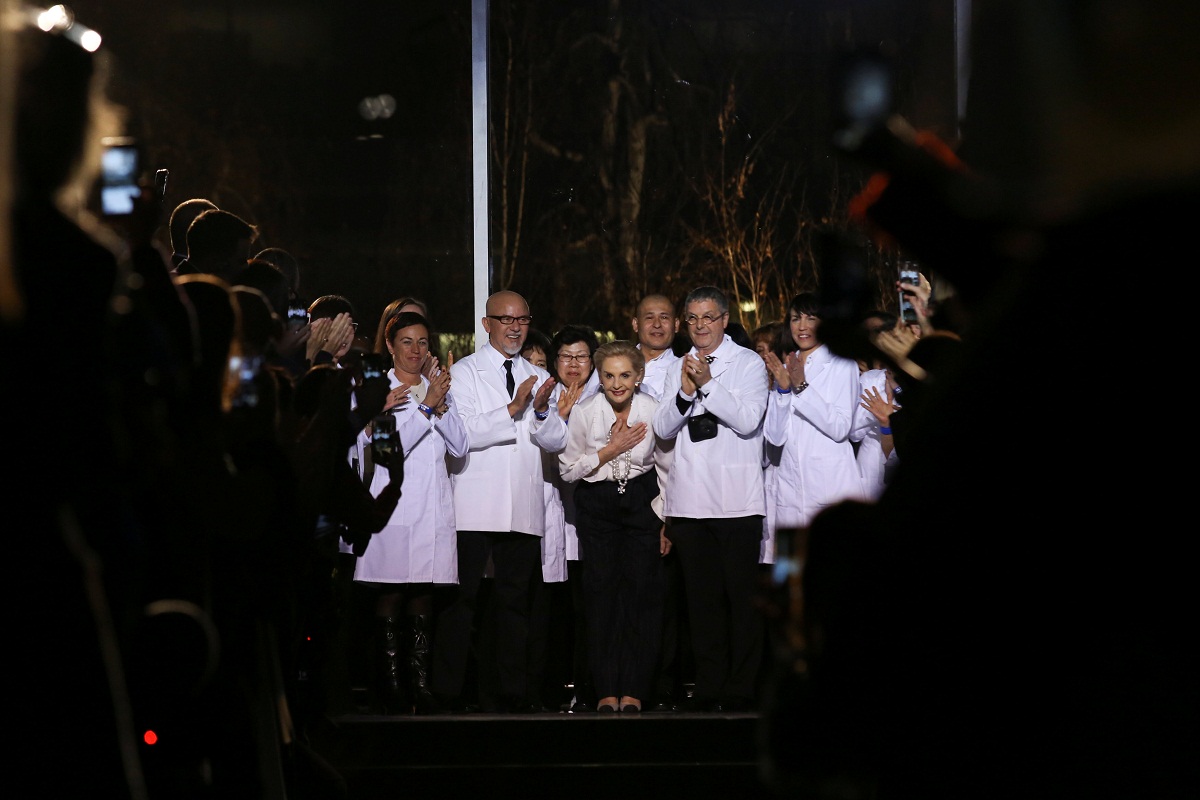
(611, 455)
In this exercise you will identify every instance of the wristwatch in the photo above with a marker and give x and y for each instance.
(799, 387)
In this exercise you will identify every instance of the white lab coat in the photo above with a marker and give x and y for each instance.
(561, 543)
(419, 544)
(873, 465)
(816, 466)
(723, 476)
(498, 484)
(657, 371)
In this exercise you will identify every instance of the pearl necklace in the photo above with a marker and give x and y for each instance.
(621, 465)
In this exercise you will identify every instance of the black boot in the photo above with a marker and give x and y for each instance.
(418, 666)
(392, 699)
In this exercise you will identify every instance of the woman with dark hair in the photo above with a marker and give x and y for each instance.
(418, 548)
(569, 356)
(809, 417)
(571, 365)
(400, 305)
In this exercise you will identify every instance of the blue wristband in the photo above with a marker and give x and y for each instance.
(884, 430)
(422, 407)
(542, 414)
(782, 390)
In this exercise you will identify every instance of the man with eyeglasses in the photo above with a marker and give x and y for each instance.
(713, 407)
(504, 401)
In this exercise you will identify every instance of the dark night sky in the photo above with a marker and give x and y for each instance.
(254, 105)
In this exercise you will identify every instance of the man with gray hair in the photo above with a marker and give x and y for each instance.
(713, 407)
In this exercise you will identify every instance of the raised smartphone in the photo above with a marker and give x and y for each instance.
(120, 165)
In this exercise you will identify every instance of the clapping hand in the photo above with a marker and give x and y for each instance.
(880, 405)
(439, 387)
(795, 368)
(398, 396)
(567, 400)
(779, 371)
(541, 401)
(521, 396)
(696, 373)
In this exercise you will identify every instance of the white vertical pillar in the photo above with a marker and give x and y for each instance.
(481, 252)
(962, 54)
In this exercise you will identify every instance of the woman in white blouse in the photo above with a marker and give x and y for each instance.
(418, 548)
(611, 453)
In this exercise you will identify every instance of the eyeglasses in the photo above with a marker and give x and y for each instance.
(569, 358)
(505, 319)
(707, 319)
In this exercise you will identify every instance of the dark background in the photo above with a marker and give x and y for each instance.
(609, 112)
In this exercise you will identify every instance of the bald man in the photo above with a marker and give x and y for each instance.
(655, 325)
(504, 402)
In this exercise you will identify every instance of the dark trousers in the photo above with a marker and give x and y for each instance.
(623, 583)
(675, 653)
(719, 560)
(581, 668)
(517, 614)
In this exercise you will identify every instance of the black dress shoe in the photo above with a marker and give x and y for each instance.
(580, 707)
(661, 707)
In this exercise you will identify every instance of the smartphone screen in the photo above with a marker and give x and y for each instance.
(375, 365)
(297, 317)
(909, 275)
(119, 169)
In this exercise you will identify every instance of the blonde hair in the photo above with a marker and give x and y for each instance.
(617, 348)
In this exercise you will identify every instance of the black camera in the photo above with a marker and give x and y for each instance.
(702, 427)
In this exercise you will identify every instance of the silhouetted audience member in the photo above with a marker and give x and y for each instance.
(288, 351)
(335, 509)
(177, 226)
(218, 244)
(1011, 618)
(82, 530)
(287, 264)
